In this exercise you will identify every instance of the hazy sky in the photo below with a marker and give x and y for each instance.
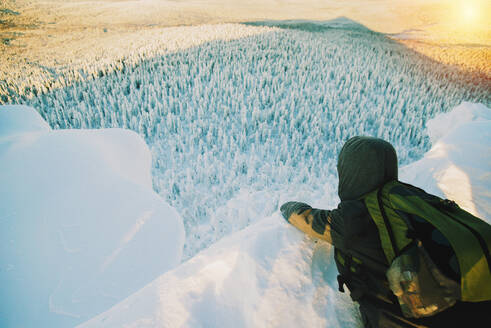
(381, 15)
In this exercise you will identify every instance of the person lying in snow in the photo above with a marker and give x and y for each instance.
(397, 265)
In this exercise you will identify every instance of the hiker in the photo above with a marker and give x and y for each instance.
(365, 249)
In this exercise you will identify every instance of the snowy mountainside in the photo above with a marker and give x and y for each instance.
(271, 275)
(267, 112)
(77, 211)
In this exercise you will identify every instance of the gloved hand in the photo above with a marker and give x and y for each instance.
(289, 208)
(301, 216)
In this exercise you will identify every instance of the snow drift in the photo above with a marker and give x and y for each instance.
(458, 165)
(81, 226)
(271, 275)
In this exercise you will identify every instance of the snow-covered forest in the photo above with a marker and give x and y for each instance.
(237, 118)
(268, 111)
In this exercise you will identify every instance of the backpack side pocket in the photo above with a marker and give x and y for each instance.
(421, 289)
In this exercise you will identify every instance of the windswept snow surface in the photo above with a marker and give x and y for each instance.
(81, 227)
(267, 275)
(271, 275)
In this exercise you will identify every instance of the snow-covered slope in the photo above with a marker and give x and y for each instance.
(270, 275)
(81, 227)
(458, 166)
(267, 275)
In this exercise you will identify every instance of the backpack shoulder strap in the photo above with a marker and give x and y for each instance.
(391, 227)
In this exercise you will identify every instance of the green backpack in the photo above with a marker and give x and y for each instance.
(421, 288)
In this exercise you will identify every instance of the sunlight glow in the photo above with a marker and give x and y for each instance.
(471, 13)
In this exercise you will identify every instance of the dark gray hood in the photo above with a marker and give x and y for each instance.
(364, 164)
